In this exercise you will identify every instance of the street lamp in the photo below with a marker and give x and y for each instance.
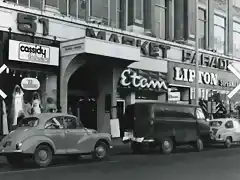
(196, 53)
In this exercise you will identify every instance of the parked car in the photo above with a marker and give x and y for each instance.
(48, 134)
(164, 125)
(226, 131)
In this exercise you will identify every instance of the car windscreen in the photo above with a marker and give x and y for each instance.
(28, 122)
(216, 123)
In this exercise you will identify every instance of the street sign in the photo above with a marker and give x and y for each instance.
(2, 68)
(234, 71)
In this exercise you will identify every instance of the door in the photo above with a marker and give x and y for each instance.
(76, 136)
(54, 130)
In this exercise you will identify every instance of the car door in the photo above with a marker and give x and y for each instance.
(54, 130)
(237, 130)
(76, 136)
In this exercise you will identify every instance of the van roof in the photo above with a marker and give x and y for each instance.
(167, 104)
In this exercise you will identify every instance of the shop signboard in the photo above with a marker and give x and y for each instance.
(144, 80)
(30, 84)
(173, 96)
(33, 53)
(181, 74)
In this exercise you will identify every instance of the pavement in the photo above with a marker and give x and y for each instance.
(215, 163)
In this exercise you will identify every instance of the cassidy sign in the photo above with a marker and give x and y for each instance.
(150, 49)
(131, 78)
(34, 53)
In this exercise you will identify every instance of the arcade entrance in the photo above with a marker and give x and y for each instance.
(82, 95)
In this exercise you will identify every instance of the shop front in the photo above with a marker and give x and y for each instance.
(215, 83)
(29, 81)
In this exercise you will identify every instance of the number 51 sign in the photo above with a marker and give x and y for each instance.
(28, 24)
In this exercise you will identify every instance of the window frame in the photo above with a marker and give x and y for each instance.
(138, 21)
(225, 30)
(238, 32)
(205, 27)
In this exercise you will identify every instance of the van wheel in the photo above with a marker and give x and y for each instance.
(43, 156)
(167, 146)
(199, 145)
(228, 142)
(136, 148)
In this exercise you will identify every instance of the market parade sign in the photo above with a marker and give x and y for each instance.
(234, 70)
(2, 68)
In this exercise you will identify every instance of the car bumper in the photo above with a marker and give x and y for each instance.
(8, 151)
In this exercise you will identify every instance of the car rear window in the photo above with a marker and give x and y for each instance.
(216, 123)
(29, 122)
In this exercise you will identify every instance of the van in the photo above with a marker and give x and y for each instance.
(165, 126)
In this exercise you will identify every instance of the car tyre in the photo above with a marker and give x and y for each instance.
(199, 145)
(136, 148)
(167, 146)
(43, 156)
(228, 142)
(15, 161)
(100, 151)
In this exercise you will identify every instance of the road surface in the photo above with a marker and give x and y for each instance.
(214, 164)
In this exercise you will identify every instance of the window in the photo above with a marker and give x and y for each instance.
(72, 123)
(138, 11)
(54, 123)
(200, 114)
(115, 11)
(28, 122)
(53, 3)
(229, 124)
(82, 6)
(236, 37)
(23, 2)
(158, 18)
(36, 3)
(236, 3)
(219, 33)
(202, 28)
(63, 7)
(73, 8)
(99, 10)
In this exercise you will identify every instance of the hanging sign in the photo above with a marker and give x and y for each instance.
(30, 84)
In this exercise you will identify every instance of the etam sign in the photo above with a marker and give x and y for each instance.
(129, 78)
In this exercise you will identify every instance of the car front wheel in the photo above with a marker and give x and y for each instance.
(167, 146)
(15, 161)
(43, 156)
(100, 151)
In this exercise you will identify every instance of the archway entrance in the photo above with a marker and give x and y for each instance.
(83, 94)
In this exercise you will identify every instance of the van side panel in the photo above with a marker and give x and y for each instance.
(142, 126)
(175, 121)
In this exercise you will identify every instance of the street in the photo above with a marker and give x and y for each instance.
(211, 164)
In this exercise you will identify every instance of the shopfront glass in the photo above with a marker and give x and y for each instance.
(28, 93)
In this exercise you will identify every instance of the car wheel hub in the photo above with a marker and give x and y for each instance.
(43, 155)
(100, 151)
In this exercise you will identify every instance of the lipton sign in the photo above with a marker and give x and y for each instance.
(30, 84)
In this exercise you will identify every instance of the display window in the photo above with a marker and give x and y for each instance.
(26, 94)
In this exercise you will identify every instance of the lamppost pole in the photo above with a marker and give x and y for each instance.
(196, 53)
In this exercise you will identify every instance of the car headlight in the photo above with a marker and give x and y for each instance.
(18, 146)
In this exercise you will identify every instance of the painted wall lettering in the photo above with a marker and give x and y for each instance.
(129, 78)
(28, 24)
(151, 49)
(205, 60)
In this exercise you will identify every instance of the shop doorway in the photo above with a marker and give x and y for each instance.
(82, 95)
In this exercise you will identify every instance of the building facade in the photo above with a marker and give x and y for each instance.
(94, 57)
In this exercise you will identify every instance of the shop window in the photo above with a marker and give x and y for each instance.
(219, 33)
(158, 14)
(202, 28)
(236, 37)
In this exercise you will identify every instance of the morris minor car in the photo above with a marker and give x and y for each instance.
(48, 134)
